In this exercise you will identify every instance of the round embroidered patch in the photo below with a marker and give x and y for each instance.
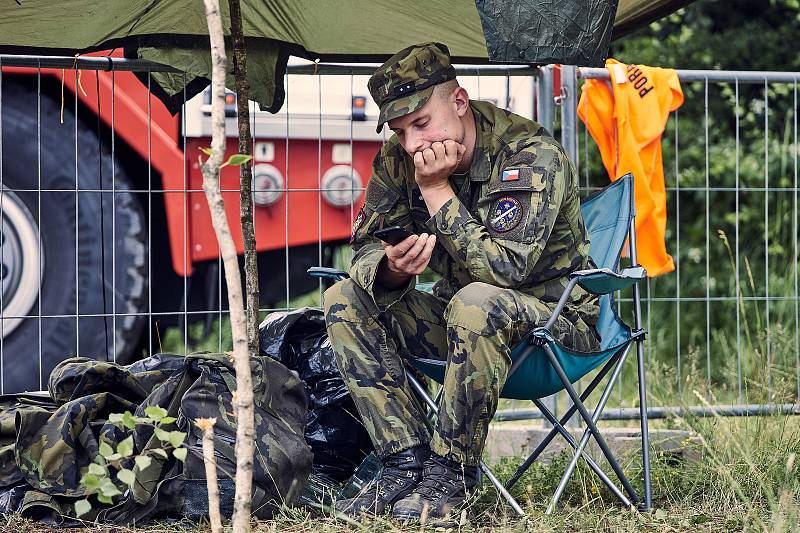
(505, 213)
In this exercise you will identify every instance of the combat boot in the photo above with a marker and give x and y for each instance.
(401, 473)
(440, 495)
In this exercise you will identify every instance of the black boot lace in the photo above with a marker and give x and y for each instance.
(439, 481)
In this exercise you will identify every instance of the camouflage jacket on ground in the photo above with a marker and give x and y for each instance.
(47, 444)
(515, 222)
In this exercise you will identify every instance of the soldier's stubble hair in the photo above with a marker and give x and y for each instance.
(445, 89)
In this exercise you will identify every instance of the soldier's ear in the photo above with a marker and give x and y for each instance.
(461, 100)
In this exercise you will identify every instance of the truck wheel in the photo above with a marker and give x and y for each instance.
(38, 229)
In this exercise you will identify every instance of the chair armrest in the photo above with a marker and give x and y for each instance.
(604, 280)
(597, 281)
(329, 273)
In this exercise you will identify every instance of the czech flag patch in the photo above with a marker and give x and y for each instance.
(510, 175)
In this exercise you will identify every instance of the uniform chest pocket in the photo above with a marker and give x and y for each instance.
(379, 205)
(379, 198)
(518, 179)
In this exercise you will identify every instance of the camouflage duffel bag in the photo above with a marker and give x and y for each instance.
(46, 447)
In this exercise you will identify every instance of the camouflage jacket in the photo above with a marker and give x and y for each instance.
(515, 222)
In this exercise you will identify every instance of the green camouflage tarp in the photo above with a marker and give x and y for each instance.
(175, 33)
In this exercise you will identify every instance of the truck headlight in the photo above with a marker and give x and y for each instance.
(268, 184)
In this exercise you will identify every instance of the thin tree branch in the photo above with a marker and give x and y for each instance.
(206, 425)
(245, 176)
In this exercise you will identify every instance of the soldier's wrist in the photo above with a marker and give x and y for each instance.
(436, 197)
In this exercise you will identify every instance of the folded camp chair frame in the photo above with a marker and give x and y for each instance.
(599, 281)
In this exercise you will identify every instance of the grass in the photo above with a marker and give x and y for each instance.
(744, 480)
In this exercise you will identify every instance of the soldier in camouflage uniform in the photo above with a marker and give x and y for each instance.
(492, 200)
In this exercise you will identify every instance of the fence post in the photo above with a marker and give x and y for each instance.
(545, 105)
(568, 101)
(545, 115)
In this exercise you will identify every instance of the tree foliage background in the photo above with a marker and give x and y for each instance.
(730, 154)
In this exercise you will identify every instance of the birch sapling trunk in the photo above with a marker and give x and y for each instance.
(243, 399)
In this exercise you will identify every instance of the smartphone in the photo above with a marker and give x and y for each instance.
(394, 235)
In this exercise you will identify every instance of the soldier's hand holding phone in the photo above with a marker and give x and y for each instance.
(408, 257)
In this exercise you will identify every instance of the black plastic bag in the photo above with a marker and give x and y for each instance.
(334, 431)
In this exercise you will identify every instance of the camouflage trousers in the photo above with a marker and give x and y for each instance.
(474, 332)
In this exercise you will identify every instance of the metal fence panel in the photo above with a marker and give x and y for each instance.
(724, 327)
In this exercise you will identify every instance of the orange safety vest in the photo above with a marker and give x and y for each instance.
(626, 116)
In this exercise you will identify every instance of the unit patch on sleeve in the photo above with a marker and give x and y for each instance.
(359, 221)
(505, 214)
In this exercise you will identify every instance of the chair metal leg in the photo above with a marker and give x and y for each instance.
(648, 498)
(637, 316)
(591, 427)
(485, 469)
(571, 441)
(553, 432)
(501, 489)
(436, 400)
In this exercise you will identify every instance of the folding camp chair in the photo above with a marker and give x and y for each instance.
(541, 366)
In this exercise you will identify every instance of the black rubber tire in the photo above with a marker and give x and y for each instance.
(122, 243)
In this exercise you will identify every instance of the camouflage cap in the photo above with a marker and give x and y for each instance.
(405, 81)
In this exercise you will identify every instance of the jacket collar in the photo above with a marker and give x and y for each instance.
(482, 157)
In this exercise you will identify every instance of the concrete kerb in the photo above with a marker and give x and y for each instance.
(515, 440)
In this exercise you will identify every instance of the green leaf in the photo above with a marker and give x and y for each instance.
(168, 420)
(107, 488)
(125, 448)
(97, 470)
(115, 418)
(91, 482)
(206, 150)
(162, 434)
(155, 412)
(104, 499)
(105, 450)
(128, 420)
(126, 476)
(238, 159)
(142, 461)
(176, 438)
(160, 452)
(180, 454)
(82, 507)
(114, 457)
